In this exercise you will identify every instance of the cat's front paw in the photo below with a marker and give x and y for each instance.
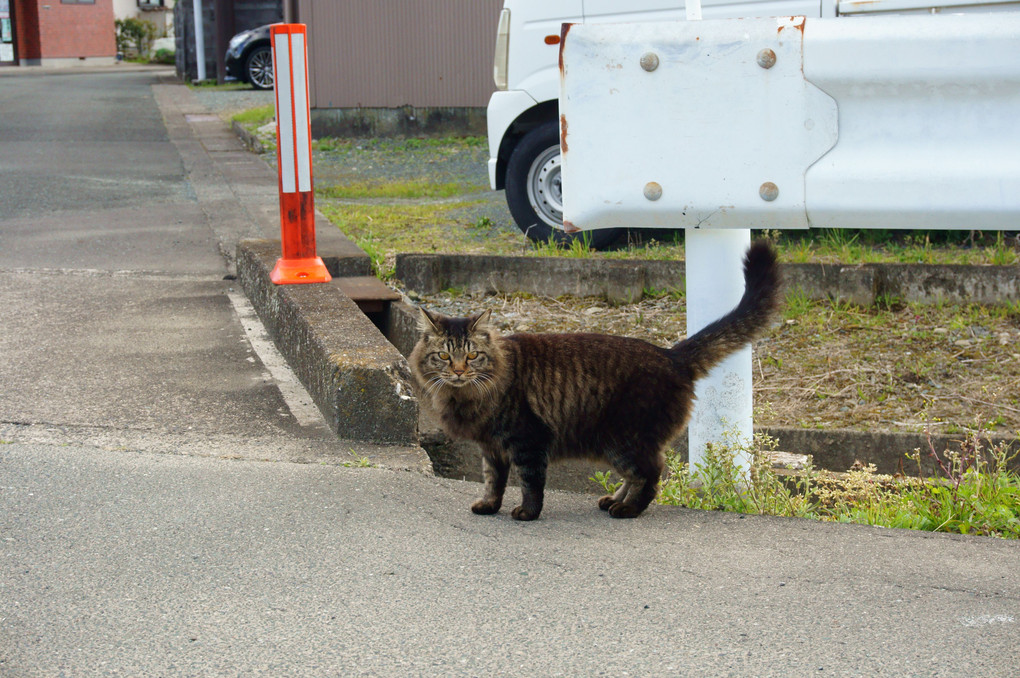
(485, 507)
(621, 510)
(521, 513)
(605, 502)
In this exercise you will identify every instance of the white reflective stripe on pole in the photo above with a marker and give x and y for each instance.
(291, 87)
(302, 130)
(724, 409)
(285, 112)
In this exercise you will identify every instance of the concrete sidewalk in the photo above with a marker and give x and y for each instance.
(159, 514)
(125, 563)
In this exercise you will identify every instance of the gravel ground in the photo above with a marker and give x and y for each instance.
(230, 101)
(383, 161)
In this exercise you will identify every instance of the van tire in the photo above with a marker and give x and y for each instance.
(534, 194)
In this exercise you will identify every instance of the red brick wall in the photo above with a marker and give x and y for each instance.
(75, 30)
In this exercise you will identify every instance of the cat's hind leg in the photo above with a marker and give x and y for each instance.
(618, 496)
(642, 484)
(495, 469)
(639, 496)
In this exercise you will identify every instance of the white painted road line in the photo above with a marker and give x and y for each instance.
(294, 394)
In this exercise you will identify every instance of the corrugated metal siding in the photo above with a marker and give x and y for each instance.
(391, 53)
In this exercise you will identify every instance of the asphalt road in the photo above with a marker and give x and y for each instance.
(164, 511)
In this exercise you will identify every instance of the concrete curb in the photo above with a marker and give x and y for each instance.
(833, 450)
(359, 381)
(622, 281)
(250, 141)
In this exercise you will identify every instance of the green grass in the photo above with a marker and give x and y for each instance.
(974, 491)
(415, 188)
(843, 246)
(256, 117)
(358, 461)
(821, 249)
(904, 247)
(446, 145)
(797, 305)
(578, 248)
(384, 230)
(225, 87)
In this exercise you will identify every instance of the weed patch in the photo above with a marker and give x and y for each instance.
(256, 117)
(383, 230)
(974, 493)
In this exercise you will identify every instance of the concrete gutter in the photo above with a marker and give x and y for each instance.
(250, 141)
(358, 380)
(624, 281)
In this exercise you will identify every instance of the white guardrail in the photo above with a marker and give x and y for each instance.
(876, 122)
(721, 126)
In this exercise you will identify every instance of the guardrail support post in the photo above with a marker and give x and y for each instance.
(723, 411)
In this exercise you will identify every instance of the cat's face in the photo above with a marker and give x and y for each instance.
(457, 352)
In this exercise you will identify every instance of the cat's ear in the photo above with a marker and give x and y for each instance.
(429, 323)
(480, 321)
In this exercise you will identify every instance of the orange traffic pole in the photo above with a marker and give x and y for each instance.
(299, 263)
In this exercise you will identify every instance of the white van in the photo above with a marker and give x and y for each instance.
(523, 115)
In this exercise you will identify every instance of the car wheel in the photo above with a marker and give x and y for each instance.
(534, 190)
(259, 68)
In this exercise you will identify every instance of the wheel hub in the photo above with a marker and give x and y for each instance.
(545, 187)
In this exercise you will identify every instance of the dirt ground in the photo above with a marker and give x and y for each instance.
(825, 365)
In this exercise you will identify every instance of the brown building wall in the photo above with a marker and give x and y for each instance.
(51, 29)
(393, 53)
(76, 30)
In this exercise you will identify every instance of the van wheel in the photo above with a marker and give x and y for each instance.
(534, 190)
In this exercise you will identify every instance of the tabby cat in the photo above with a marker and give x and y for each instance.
(528, 399)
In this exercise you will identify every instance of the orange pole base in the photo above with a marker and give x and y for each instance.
(298, 271)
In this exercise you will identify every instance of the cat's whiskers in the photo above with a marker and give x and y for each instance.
(487, 384)
(434, 384)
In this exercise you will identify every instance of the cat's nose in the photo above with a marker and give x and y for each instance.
(458, 370)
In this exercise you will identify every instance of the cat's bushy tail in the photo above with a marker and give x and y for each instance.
(705, 349)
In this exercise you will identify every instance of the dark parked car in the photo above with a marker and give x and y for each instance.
(250, 58)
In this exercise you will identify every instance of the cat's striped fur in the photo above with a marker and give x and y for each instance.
(528, 399)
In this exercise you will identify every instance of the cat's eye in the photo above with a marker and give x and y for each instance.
(472, 355)
(444, 356)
